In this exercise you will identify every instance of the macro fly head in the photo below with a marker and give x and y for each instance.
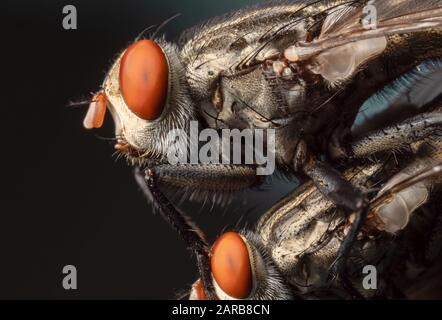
(242, 270)
(147, 98)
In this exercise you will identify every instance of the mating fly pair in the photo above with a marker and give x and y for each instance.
(301, 68)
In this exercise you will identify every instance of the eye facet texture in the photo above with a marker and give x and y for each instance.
(144, 75)
(230, 264)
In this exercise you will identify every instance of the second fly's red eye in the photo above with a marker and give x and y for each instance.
(144, 79)
(230, 264)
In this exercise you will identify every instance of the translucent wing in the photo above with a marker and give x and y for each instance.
(365, 20)
(401, 196)
(307, 28)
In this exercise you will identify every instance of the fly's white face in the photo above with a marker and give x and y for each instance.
(146, 97)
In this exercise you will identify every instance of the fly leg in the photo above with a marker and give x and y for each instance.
(214, 177)
(208, 177)
(338, 190)
(189, 233)
(396, 136)
(332, 185)
(212, 183)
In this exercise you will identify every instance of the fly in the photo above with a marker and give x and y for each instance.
(294, 244)
(301, 68)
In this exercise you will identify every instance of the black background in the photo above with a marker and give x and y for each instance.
(64, 199)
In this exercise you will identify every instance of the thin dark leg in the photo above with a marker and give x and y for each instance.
(338, 190)
(333, 186)
(204, 177)
(338, 266)
(350, 289)
(342, 193)
(191, 235)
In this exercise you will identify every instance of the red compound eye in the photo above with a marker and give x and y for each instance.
(230, 264)
(144, 75)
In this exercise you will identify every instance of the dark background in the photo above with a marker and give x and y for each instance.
(64, 199)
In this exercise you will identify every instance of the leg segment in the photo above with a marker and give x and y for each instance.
(396, 136)
(208, 177)
(217, 178)
(332, 185)
(343, 194)
(191, 235)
